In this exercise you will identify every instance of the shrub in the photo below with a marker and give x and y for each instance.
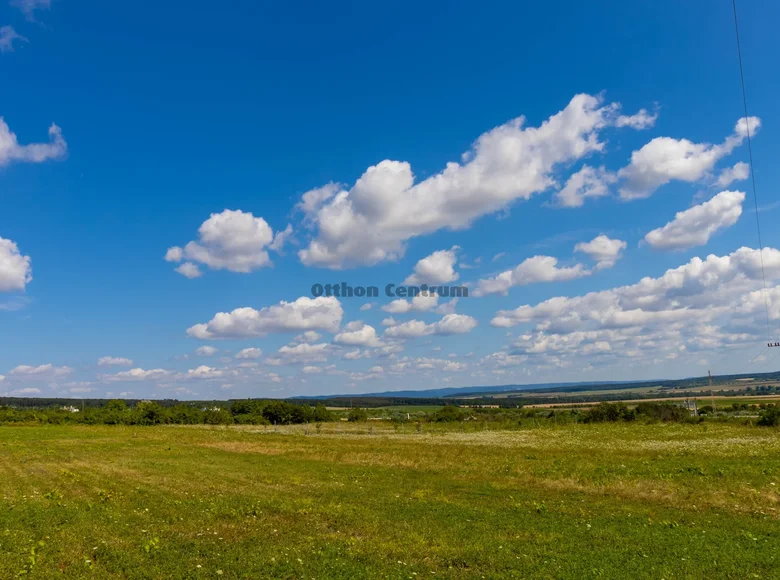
(770, 417)
(357, 414)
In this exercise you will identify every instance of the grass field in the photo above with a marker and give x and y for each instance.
(360, 501)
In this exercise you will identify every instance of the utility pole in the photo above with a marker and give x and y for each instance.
(712, 395)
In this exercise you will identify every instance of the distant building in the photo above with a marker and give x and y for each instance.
(70, 409)
(480, 406)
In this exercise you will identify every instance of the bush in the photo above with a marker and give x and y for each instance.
(609, 412)
(448, 414)
(770, 417)
(357, 414)
(663, 411)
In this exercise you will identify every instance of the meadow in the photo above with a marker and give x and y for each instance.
(609, 500)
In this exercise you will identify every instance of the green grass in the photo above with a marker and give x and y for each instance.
(580, 501)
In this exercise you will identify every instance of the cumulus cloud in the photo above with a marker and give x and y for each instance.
(739, 172)
(15, 269)
(449, 324)
(530, 271)
(705, 303)
(114, 361)
(357, 354)
(10, 150)
(302, 353)
(588, 182)
(47, 370)
(642, 120)
(249, 353)
(232, 240)
(136, 374)
(358, 333)
(7, 38)
(372, 221)
(438, 268)
(189, 270)
(322, 313)
(419, 303)
(308, 336)
(604, 250)
(202, 372)
(695, 226)
(205, 351)
(665, 159)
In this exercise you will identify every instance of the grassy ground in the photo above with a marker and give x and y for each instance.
(580, 501)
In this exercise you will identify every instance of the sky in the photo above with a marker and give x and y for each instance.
(176, 177)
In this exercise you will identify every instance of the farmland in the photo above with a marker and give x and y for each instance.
(374, 501)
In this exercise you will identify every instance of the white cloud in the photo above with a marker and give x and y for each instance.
(232, 240)
(642, 120)
(26, 391)
(7, 37)
(586, 183)
(739, 172)
(311, 370)
(10, 150)
(40, 371)
(189, 270)
(419, 303)
(604, 250)
(249, 353)
(114, 361)
(695, 226)
(137, 374)
(366, 306)
(664, 159)
(308, 336)
(438, 268)
(447, 307)
(301, 353)
(280, 238)
(15, 269)
(205, 351)
(449, 324)
(371, 221)
(322, 313)
(357, 354)
(358, 334)
(530, 271)
(2, 378)
(710, 303)
(202, 372)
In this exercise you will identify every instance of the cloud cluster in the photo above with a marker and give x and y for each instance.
(372, 221)
(605, 251)
(449, 324)
(702, 304)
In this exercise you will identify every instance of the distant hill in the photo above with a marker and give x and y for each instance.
(464, 391)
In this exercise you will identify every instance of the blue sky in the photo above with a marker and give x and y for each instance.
(136, 132)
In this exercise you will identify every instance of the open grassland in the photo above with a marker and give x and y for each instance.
(365, 501)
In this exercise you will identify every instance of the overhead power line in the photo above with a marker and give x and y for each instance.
(752, 171)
